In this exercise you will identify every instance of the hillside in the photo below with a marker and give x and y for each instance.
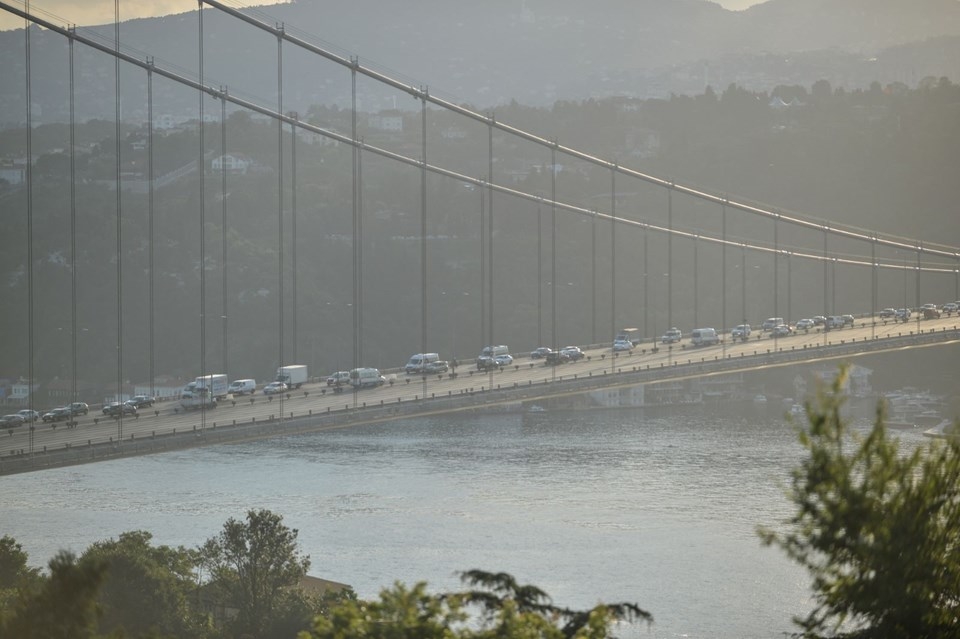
(532, 51)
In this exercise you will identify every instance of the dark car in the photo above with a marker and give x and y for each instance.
(11, 421)
(573, 353)
(142, 401)
(930, 312)
(541, 352)
(115, 409)
(78, 408)
(555, 358)
(57, 415)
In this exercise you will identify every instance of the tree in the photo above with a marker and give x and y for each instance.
(877, 529)
(507, 609)
(61, 606)
(254, 564)
(147, 589)
(13, 563)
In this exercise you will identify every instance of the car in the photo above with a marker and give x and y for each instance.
(740, 332)
(540, 352)
(116, 409)
(781, 330)
(28, 415)
(504, 359)
(950, 307)
(770, 323)
(848, 320)
(622, 345)
(835, 321)
(57, 415)
(902, 314)
(573, 353)
(275, 387)
(488, 357)
(79, 408)
(672, 336)
(440, 366)
(142, 401)
(819, 320)
(11, 421)
(804, 324)
(930, 313)
(240, 387)
(555, 358)
(888, 313)
(339, 377)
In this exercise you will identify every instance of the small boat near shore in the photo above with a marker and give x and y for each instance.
(946, 429)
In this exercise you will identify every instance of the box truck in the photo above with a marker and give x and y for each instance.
(293, 375)
(216, 383)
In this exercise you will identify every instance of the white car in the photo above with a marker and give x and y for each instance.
(805, 324)
(274, 387)
(622, 345)
(672, 336)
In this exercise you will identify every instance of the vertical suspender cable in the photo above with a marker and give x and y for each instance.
(670, 264)
(919, 252)
(723, 277)
(873, 288)
(30, 372)
(293, 233)
(423, 230)
(553, 246)
(696, 282)
(280, 197)
(356, 215)
(116, 73)
(826, 282)
(73, 228)
(613, 252)
(150, 223)
(359, 300)
(593, 272)
(743, 282)
(539, 274)
(225, 316)
(201, 174)
(483, 261)
(776, 272)
(646, 285)
(490, 228)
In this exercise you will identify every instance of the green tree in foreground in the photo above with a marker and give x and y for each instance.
(506, 610)
(877, 529)
(256, 565)
(147, 588)
(60, 606)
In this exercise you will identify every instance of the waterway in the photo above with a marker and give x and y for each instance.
(656, 507)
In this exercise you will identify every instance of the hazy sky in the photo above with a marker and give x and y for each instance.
(87, 12)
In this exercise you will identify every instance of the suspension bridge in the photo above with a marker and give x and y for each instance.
(546, 265)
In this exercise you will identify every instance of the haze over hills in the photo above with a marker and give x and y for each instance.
(532, 51)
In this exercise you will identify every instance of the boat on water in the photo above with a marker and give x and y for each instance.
(798, 410)
(759, 399)
(536, 408)
(946, 429)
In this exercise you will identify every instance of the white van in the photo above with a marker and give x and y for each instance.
(242, 387)
(704, 337)
(421, 362)
(366, 378)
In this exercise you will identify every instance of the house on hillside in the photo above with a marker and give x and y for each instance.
(232, 163)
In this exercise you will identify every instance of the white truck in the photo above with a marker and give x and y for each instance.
(366, 378)
(216, 383)
(197, 399)
(293, 375)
